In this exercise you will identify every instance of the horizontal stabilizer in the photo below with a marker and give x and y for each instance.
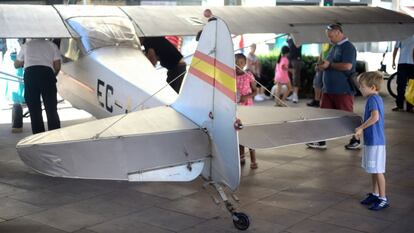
(185, 172)
(113, 148)
(270, 127)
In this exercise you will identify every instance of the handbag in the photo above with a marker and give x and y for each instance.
(409, 92)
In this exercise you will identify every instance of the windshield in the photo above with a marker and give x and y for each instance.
(97, 32)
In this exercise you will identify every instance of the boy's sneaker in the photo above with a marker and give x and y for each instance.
(353, 144)
(379, 205)
(370, 199)
(317, 145)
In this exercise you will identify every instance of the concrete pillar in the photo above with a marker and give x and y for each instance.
(396, 5)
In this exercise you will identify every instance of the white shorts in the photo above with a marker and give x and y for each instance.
(373, 159)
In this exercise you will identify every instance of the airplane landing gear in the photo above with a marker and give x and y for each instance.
(240, 220)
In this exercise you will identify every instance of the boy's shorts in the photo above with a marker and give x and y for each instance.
(373, 159)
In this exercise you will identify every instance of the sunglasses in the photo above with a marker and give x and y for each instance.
(334, 27)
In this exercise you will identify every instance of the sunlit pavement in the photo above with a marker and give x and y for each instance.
(295, 190)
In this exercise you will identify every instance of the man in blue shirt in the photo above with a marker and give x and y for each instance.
(340, 64)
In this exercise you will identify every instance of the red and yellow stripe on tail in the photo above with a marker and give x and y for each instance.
(215, 73)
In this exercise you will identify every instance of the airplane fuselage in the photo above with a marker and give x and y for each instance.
(113, 80)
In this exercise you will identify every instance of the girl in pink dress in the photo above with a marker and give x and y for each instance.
(246, 90)
(246, 86)
(282, 75)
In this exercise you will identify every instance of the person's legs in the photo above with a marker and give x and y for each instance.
(327, 101)
(318, 94)
(297, 67)
(379, 187)
(401, 85)
(278, 91)
(289, 89)
(346, 103)
(317, 88)
(49, 97)
(260, 96)
(32, 98)
(315, 102)
(380, 179)
(375, 189)
(241, 152)
(253, 163)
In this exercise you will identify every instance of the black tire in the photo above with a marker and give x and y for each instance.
(392, 85)
(241, 221)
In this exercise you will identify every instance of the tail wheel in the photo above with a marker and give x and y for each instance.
(392, 85)
(241, 221)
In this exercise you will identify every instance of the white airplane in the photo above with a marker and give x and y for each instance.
(106, 74)
(177, 138)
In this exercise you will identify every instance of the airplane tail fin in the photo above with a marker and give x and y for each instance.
(208, 98)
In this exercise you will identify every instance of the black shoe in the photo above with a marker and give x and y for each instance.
(397, 109)
(317, 145)
(313, 103)
(353, 144)
(379, 205)
(370, 199)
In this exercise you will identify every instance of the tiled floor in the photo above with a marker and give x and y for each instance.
(294, 190)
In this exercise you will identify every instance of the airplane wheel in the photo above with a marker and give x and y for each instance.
(241, 221)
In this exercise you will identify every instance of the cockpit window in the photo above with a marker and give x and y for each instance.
(98, 32)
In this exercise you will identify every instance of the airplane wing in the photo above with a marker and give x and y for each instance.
(267, 127)
(31, 21)
(158, 144)
(306, 23)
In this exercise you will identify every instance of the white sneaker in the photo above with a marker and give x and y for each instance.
(295, 98)
(290, 98)
(258, 98)
(265, 97)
